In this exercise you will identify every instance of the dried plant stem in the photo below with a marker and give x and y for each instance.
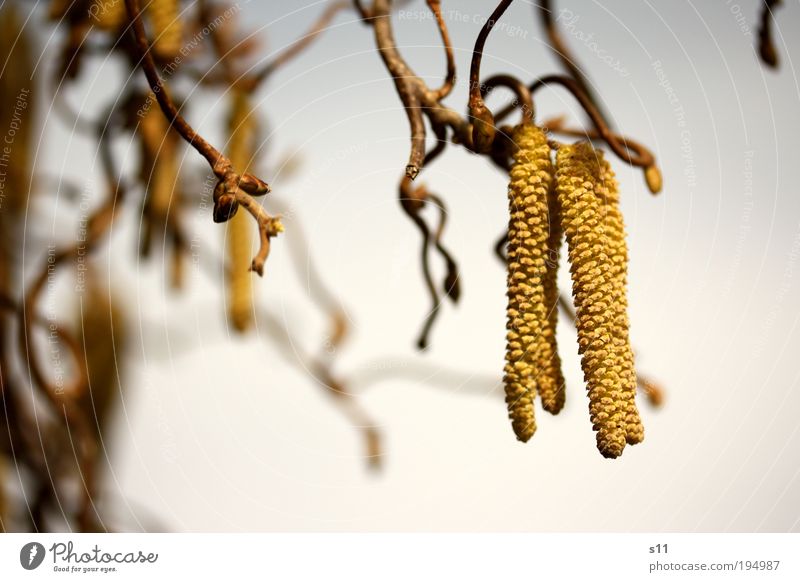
(413, 201)
(417, 98)
(450, 77)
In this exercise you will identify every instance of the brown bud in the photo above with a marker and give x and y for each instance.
(225, 208)
(253, 186)
(483, 129)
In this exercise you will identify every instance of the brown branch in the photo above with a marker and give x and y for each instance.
(228, 193)
(636, 156)
(413, 201)
(450, 77)
(417, 98)
(652, 173)
(406, 83)
(523, 96)
(268, 226)
(220, 164)
(483, 128)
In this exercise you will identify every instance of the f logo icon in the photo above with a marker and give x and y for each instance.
(31, 555)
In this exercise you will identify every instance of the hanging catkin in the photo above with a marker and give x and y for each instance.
(614, 228)
(160, 173)
(550, 379)
(531, 179)
(242, 131)
(579, 178)
(167, 35)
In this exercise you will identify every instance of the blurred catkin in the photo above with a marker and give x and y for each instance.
(614, 230)
(167, 34)
(530, 180)
(108, 14)
(579, 180)
(102, 326)
(242, 132)
(160, 175)
(17, 125)
(16, 117)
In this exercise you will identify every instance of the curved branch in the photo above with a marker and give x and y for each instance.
(483, 129)
(450, 77)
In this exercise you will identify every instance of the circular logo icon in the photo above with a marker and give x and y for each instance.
(31, 555)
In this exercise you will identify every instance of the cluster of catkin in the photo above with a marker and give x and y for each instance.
(576, 198)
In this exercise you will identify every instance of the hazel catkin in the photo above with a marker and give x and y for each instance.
(531, 177)
(614, 231)
(579, 177)
(550, 380)
(242, 131)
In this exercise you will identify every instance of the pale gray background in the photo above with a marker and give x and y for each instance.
(218, 433)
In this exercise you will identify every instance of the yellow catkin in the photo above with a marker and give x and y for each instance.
(531, 177)
(167, 35)
(108, 14)
(242, 131)
(550, 380)
(102, 329)
(160, 172)
(579, 186)
(614, 227)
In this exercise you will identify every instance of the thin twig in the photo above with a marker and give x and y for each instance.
(450, 77)
(483, 128)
